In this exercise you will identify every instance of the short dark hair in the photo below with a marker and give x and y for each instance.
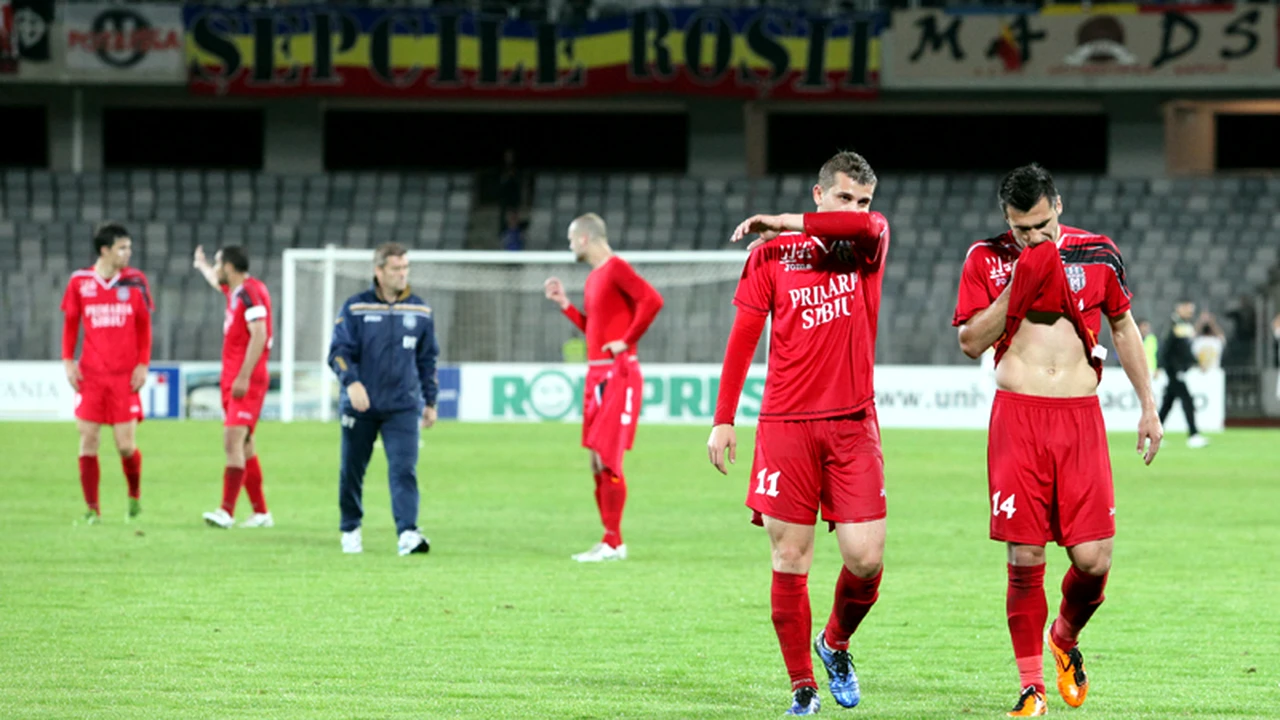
(1023, 187)
(850, 163)
(236, 257)
(388, 250)
(106, 234)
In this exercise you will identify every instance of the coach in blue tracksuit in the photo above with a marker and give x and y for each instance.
(384, 352)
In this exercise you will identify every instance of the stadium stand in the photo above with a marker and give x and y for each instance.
(1201, 238)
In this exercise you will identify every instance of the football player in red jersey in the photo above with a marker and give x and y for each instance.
(245, 346)
(113, 302)
(620, 305)
(818, 276)
(1037, 294)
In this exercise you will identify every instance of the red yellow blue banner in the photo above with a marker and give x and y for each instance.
(418, 52)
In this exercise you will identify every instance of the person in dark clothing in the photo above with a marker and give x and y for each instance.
(384, 352)
(513, 236)
(1175, 359)
(511, 189)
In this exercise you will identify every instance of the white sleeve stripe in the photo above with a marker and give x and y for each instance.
(257, 312)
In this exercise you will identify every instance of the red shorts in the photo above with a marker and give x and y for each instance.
(245, 410)
(834, 464)
(1049, 471)
(592, 392)
(108, 400)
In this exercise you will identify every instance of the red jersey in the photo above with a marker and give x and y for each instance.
(246, 304)
(822, 345)
(117, 321)
(620, 305)
(1094, 267)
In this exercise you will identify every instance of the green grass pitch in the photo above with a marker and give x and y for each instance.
(167, 618)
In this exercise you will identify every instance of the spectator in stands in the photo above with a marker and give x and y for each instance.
(513, 235)
(1150, 343)
(1176, 359)
(1275, 332)
(574, 349)
(512, 184)
(1244, 330)
(1209, 341)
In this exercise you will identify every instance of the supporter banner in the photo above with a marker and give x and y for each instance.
(25, 26)
(419, 52)
(125, 42)
(907, 396)
(1115, 46)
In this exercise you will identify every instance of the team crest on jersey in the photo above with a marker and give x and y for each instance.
(998, 271)
(410, 322)
(88, 288)
(122, 294)
(1075, 276)
(796, 257)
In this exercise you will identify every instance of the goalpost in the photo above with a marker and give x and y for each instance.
(489, 306)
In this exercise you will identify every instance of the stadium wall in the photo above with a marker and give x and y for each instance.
(727, 138)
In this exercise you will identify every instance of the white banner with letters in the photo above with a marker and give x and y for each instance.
(40, 391)
(129, 42)
(907, 396)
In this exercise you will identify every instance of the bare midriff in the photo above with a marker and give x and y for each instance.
(1046, 358)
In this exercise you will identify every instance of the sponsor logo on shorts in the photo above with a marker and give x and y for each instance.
(245, 415)
(135, 409)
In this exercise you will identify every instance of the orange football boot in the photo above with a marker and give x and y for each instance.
(1030, 704)
(1073, 684)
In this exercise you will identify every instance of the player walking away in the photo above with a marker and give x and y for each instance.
(818, 440)
(384, 353)
(1177, 358)
(1048, 470)
(246, 343)
(620, 305)
(114, 302)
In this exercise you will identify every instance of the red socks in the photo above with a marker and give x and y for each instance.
(854, 598)
(611, 496)
(793, 621)
(253, 485)
(1081, 596)
(232, 479)
(1027, 610)
(89, 476)
(133, 473)
(600, 478)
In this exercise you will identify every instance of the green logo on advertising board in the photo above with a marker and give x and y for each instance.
(556, 395)
(549, 395)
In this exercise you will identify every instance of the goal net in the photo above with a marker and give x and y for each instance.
(489, 307)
